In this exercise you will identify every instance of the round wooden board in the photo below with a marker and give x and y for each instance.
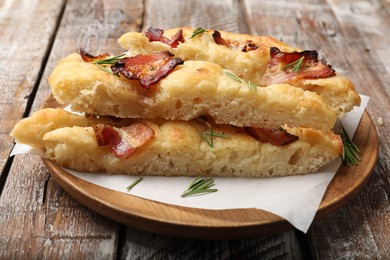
(187, 222)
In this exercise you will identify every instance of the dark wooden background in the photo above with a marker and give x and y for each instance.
(39, 220)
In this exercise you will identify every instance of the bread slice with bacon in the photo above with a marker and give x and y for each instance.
(160, 86)
(175, 148)
(261, 60)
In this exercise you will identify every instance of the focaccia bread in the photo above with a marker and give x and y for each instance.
(176, 148)
(262, 60)
(193, 89)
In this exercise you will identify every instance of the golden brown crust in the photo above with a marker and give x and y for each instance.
(32, 129)
(193, 89)
(249, 65)
(177, 148)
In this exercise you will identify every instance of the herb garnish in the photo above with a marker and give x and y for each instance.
(108, 61)
(295, 64)
(252, 86)
(350, 154)
(134, 183)
(209, 133)
(198, 31)
(234, 77)
(199, 186)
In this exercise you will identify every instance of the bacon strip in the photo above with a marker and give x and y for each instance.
(218, 39)
(98, 130)
(281, 67)
(147, 69)
(87, 57)
(249, 45)
(155, 34)
(275, 136)
(123, 141)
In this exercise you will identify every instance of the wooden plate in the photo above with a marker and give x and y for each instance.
(216, 224)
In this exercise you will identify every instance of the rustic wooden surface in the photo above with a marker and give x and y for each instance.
(39, 220)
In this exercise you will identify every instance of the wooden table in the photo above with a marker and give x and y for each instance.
(39, 219)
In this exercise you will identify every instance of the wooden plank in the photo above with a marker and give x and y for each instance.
(61, 224)
(362, 228)
(40, 220)
(355, 46)
(143, 245)
(223, 15)
(146, 245)
(288, 245)
(94, 26)
(307, 25)
(21, 63)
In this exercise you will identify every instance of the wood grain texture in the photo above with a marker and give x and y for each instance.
(218, 14)
(350, 35)
(94, 25)
(39, 219)
(34, 23)
(362, 228)
(151, 246)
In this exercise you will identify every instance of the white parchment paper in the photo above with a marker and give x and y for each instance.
(295, 198)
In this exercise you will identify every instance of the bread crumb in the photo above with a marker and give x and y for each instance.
(380, 121)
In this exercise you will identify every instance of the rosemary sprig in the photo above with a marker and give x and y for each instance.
(108, 61)
(295, 64)
(232, 76)
(197, 31)
(350, 154)
(252, 86)
(208, 137)
(199, 186)
(138, 180)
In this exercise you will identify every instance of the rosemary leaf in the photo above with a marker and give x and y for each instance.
(232, 76)
(199, 186)
(197, 31)
(216, 134)
(350, 155)
(138, 180)
(295, 64)
(105, 69)
(206, 140)
(211, 138)
(111, 60)
(208, 135)
(108, 61)
(252, 86)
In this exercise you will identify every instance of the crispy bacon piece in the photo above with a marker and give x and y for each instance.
(123, 141)
(147, 69)
(155, 34)
(249, 45)
(177, 38)
(87, 57)
(218, 39)
(284, 67)
(275, 136)
(98, 130)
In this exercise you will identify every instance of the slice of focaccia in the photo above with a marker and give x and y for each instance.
(173, 148)
(193, 89)
(262, 60)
